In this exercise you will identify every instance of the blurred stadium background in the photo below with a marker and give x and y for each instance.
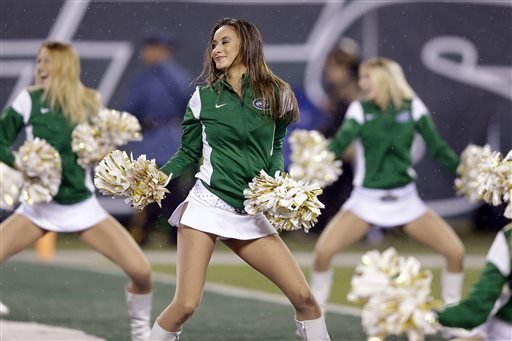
(457, 55)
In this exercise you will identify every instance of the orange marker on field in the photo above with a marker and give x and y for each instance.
(45, 247)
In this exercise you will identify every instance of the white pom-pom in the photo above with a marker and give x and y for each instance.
(396, 293)
(107, 131)
(112, 177)
(118, 128)
(312, 162)
(139, 181)
(41, 165)
(486, 175)
(288, 204)
(84, 142)
(147, 183)
(10, 186)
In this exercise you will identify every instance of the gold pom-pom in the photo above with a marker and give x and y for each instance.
(396, 294)
(85, 144)
(106, 131)
(139, 181)
(287, 203)
(506, 169)
(486, 175)
(118, 127)
(147, 183)
(311, 161)
(41, 166)
(10, 186)
(112, 174)
(468, 170)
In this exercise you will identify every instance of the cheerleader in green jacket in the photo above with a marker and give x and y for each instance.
(233, 127)
(488, 309)
(50, 110)
(383, 126)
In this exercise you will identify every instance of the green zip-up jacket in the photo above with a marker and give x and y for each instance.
(232, 137)
(490, 296)
(31, 112)
(384, 141)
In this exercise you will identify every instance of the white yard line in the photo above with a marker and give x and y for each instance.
(27, 331)
(229, 258)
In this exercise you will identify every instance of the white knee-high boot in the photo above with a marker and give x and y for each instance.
(313, 330)
(160, 334)
(139, 310)
(4, 310)
(451, 287)
(321, 287)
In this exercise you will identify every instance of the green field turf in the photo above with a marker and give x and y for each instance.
(245, 277)
(94, 302)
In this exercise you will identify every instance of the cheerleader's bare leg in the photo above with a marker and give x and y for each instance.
(112, 240)
(193, 254)
(270, 256)
(431, 230)
(342, 231)
(16, 234)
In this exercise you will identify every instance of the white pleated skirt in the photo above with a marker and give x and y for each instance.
(386, 208)
(208, 213)
(64, 218)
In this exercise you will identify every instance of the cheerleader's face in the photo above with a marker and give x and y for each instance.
(367, 84)
(43, 68)
(225, 47)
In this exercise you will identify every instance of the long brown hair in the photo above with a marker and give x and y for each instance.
(65, 88)
(388, 76)
(262, 80)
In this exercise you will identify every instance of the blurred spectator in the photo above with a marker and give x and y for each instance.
(158, 96)
(341, 81)
(311, 118)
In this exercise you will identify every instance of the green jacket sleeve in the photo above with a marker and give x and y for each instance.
(475, 310)
(348, 131)
(437, 147)
(190, 151)
(276, 160)
(11, 123)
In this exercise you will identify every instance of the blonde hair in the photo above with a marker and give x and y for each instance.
(388, 78)
(65, 90)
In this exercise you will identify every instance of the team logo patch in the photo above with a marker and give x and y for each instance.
(258, 104)
(403, 117)
(369, 117)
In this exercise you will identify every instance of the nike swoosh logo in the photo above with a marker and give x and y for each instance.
(44, 110)
(220, 105)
